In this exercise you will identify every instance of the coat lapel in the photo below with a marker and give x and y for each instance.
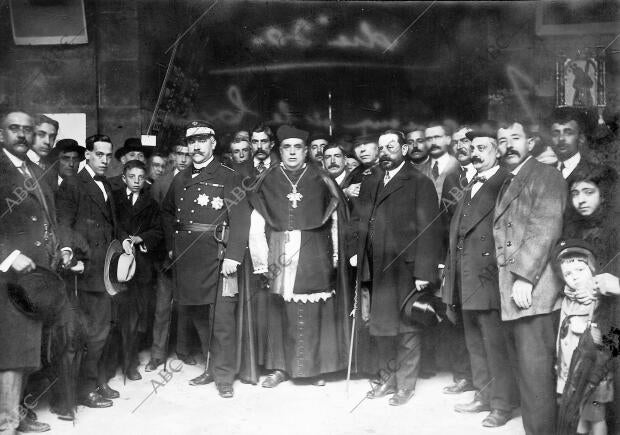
(394, 185)
(514, 188)
(93, 191)
(484, 200)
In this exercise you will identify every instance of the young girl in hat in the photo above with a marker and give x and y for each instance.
(577, 266)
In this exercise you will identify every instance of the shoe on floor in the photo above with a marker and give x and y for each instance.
(274, 379)
(472, 407)
(459, 387)
(401, 397)
(153, 364)
(106, 392)
(133, 374)
(496, 418)
(204, 379)
(95, 400)
(225, 390)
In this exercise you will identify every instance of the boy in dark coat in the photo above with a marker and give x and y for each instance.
(139, 224)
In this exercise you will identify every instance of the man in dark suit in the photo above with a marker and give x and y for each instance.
(198, 204)
(471, 282)
(397, 252)
(263, 141)
(45, 132)
(86, 207)
(66, 157)
(182, 159)
(28, 239)
(527, 225)
(438, 139)
(451, 335)
(568, 140)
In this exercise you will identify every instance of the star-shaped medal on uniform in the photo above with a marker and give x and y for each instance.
(203, 200)
(217, 203)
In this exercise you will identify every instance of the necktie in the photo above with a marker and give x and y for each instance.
(130, 197)
(435, 171)
(462, 175)
(196, 170)
(261, 167)
(505, 185)
(386, 178)
(478, 179)
(562, 167)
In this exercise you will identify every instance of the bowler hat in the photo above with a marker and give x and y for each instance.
(67, 146)
(119, 268)
(39, 294)
(420, 309)
(132, 144)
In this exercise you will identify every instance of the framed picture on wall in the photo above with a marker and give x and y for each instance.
(580, 81)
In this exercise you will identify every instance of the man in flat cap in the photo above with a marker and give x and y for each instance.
(472, 283)
(206, 221)
(307, 322)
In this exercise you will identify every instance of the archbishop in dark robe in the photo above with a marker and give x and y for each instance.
(307, 325)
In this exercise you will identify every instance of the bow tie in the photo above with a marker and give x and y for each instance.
(196, 170)
(100, 178)
(478, 179)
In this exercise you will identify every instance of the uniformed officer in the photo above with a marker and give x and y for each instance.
(205, 203)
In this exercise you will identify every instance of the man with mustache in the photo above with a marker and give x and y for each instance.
(318, 142)
(442, 163)
(568, 139)
(45, 132)
(472, 284)
(203, 201)
(334, 162)
(418, 150)
(395, 258)
(262, 140)
(526, 226)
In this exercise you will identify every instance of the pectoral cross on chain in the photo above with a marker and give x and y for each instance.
(294, 197)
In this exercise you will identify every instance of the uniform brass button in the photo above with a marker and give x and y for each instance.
(34, 218)
(189, 232)
(176, 232)
(181, 198)
(192, 211)
(508, 243)
(178, 209)
(191, 222)
(37, 243)
(485, 254)
(509, 224)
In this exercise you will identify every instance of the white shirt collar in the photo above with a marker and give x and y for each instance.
(90, 171)
(203, 164)
(570, 164)
(442, 162)
(267, 162)
(60, 179)
(340, 178)
(17, 162)
(516, 170)
(34, 157)
(175, 171)
(392, 172)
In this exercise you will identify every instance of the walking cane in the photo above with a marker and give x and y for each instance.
(355, 298)
(219, 234)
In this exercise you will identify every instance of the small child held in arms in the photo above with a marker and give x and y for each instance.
(577, 266)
